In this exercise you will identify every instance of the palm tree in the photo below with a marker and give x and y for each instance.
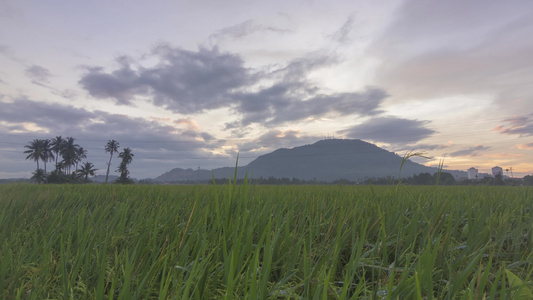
(39, 176)
(111, 147)
(127, 157)
(35, 151)
(124, 172)
(69, 152)
(80, 154)
(57, 146)
(48, 153)
(86, 169)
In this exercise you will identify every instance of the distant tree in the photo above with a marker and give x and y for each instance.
(48, 154)
(528, 180)
(498, 179)
(39, 176)
(446, 178)
(69, 153)
(423, 179)
(57, 144)
(57, 176)
(80, 155)
(86, 169)
(111, 147)
(127, 157)
(35, 151)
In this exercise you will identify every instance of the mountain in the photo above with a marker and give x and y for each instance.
(178, 174)
(325, 160)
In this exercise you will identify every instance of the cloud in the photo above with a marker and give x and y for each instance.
(277, 105)
(121, 85)
(391, 130)
(189, 82)
(274, 139)
(427, 53)
(182, 81)
(505, 155)
(7, 10)
(344, 34)
(53, 117)
(418, 147)
(22, 116)
(4, 49)
(292, 97)
(429, 146)
(472, 151)
(38, 74)
(517, 125)
(243, 29)
(525, 146)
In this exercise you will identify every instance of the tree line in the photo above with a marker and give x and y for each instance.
(68, 157)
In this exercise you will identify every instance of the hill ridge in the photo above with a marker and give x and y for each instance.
(325, 160)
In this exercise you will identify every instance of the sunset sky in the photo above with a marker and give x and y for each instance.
(193, 83)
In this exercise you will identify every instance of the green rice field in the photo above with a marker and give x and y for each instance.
(265, 242)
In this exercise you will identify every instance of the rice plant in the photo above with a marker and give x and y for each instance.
(265, 242)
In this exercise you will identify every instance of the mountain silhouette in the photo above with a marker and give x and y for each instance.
(326, 160)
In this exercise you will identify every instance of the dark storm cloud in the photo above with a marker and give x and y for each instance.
(391, 130)
(190, 82)
(38, 74)
(518, 125)
(472, 151)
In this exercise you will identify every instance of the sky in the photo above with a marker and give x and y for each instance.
(192, 84)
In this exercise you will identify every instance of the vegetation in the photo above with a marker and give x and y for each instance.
(265, 242)
(111, 147)
(127, 157)
(86, 170)
(39, 176)
(35, 151)
(442, 178)
(71, 155)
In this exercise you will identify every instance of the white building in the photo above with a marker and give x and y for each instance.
(473, 173)
(497, 171)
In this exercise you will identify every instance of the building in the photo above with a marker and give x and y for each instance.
(473, 173)
(497, 171)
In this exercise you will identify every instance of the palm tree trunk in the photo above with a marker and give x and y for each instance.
(108, 165)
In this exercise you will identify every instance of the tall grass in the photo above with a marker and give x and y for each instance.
(264, 242)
